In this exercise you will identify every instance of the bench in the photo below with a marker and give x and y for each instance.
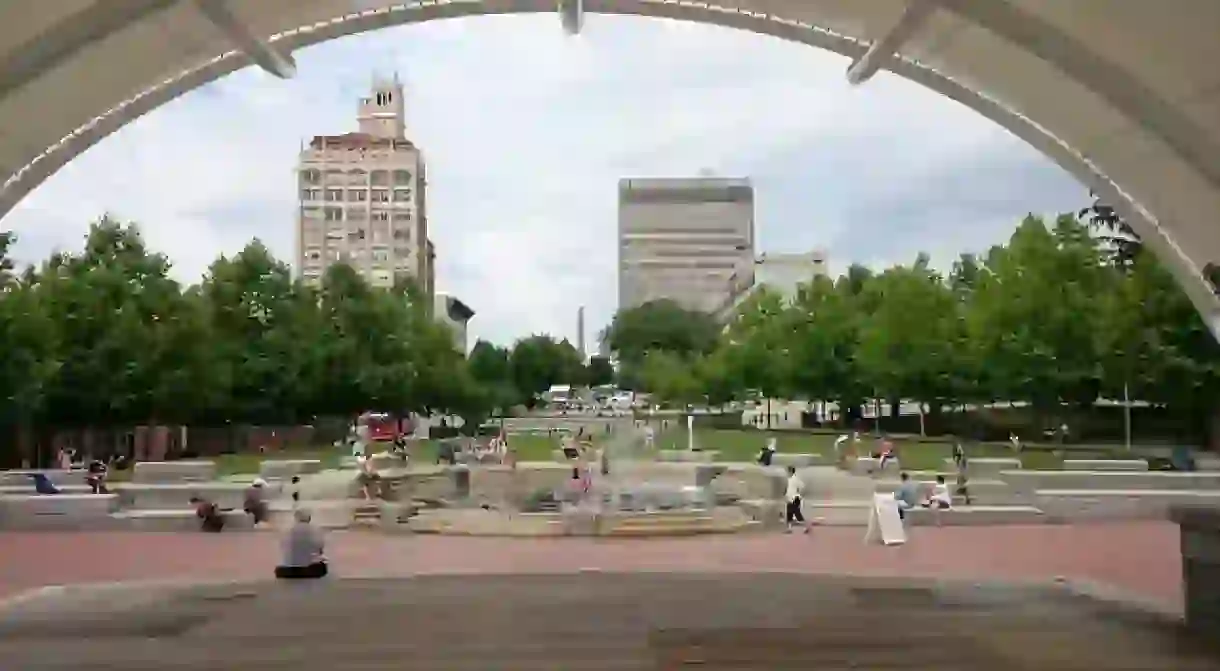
(173, 471)
(174, 520)
(56, 511)
(1105, 465)
(284, 469)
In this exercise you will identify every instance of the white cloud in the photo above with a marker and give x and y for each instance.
(527, 130)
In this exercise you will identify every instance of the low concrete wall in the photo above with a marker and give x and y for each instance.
(173, 471)
(1118, 504)
(286, 468)
(177, 495)
(57, 511)
(982, 492)
(1105, 465)
(799, 460)
(1030, 481)
(868, 465)
(687, 456)
(58, 477)
(174, 521)
(985, 468)
(975, 516)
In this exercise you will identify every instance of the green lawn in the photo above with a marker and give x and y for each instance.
(743, 445)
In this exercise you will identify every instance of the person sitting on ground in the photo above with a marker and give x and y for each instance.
(793, 513)
(43, 484)
(907, 494)
(210, 519)
(303, 550)
(255, 504)
(940, 499)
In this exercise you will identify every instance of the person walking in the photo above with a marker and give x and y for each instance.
(793, 514)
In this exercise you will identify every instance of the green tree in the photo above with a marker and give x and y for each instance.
(539, 362)
(1033, 316)
(601, 371)
(661, 325)
(670, 378)
(910, 345)
(823, 324)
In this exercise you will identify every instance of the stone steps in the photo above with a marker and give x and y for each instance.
(1085, 504)
(1031, 481)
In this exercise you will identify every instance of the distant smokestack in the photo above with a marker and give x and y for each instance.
(580, 330)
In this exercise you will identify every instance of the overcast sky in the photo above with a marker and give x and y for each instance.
(526, 132)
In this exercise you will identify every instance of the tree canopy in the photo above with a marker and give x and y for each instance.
(105, 337)
(1069, 311)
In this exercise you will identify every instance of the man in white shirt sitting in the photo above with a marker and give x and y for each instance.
(793, 513)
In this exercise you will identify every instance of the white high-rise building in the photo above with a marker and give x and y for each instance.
(682, 239)
(362, 197)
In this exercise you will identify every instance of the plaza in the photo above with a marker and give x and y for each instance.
(1076, 565)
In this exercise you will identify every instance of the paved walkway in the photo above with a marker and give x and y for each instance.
(1140, 559)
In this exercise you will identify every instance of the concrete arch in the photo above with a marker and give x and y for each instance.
(1138, 106)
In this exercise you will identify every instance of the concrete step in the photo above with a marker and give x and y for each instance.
(982, 492)
(1121, 465)
(975, 516)
(1071, 504)
(177, 521)
(1031, 481)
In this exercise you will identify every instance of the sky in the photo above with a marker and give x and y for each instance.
(526, 132)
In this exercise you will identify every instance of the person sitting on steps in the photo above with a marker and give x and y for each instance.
(940, 499)
(255, 503)
(303, 550)
(907, 495)
(210, 518)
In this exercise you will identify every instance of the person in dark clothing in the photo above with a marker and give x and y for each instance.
(95, 477)
(210, 519)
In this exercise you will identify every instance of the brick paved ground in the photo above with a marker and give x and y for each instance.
(1137, 558)
(621, 622)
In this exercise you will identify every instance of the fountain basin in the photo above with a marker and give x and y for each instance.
(581, 522)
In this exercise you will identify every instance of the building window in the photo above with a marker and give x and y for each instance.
(403, 234)
(310, 176)
(357, 214)
(334, 195)
(379, 178)
(402, 177)
(333, 213)
(380, 196)
(357, 234)
(402, 195)
(357, 195)
(314, 254)
(380, 215)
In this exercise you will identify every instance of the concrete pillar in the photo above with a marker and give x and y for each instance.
(1200, 542)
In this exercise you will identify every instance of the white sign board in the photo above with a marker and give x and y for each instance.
(884, 523)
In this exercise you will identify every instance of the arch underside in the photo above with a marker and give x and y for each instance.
(1115, 93)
